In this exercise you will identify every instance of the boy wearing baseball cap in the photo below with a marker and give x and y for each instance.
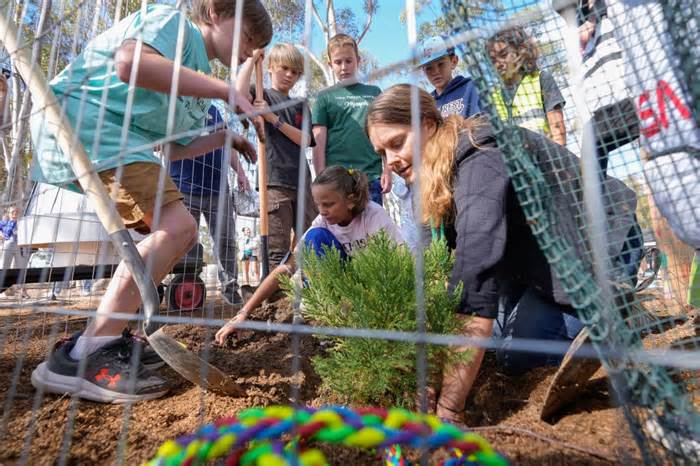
(454, 95)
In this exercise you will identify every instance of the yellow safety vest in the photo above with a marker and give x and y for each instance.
(527, 108)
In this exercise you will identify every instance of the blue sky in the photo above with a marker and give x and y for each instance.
(387, 39)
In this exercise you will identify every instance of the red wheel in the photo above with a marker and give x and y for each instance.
(186, 293)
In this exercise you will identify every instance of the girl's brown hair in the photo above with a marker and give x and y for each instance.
(393, 107)
(520, 41)
(254, 14)
(351, 183)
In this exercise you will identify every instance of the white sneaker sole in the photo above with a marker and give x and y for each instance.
(50, 382)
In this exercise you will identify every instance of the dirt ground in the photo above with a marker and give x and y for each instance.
(505, 410)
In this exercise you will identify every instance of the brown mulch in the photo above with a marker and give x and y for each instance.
(590, 432)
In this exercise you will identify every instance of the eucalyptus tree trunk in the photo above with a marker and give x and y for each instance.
(21, 105)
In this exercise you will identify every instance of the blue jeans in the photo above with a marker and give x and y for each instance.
(319, 239)
(535, 317)
(630, 257)
(375, 192)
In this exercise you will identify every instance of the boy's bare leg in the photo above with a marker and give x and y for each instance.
(175, 235)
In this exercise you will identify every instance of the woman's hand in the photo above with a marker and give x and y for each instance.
(230, 327)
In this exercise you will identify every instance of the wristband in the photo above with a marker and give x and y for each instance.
(278, 124)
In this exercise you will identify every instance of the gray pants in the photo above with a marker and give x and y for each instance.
(224, 240)
(12, 258)
(10, 252)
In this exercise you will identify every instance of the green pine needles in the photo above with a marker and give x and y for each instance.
(376, 290)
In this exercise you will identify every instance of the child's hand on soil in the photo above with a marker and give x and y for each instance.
(230, 327)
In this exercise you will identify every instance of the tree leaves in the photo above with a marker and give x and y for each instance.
(376, 290)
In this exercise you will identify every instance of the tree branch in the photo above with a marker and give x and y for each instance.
(14, 175)
(317, 16)
(330, 14)
(5, 152)
(368, 23)
(318, 62)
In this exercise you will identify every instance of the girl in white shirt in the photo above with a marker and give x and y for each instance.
(346, 219)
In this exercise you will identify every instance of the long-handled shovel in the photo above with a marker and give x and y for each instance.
(570, 378)
(262, 178)
(186, 363)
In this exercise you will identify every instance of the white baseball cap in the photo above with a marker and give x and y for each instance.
(432, 49)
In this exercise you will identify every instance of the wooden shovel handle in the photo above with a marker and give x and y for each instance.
(262, 160)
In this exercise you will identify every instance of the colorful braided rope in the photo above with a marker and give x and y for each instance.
(257, 436)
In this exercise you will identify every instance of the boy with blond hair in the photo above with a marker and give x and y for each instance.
(97, 363)
(339, 120)
(283, 151)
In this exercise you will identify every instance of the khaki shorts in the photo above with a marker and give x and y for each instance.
(136, 191)
(283, 208)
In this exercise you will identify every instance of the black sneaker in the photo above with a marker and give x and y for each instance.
(149, 358)
(231, 295)
(107, 374)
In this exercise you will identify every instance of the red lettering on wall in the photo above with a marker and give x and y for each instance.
(652, 128)
(655, 120)
(663, 92)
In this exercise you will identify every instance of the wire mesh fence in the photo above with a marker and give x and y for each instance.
(591, 106)
(630, 63)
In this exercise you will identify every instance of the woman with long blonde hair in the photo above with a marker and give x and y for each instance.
(465, 188)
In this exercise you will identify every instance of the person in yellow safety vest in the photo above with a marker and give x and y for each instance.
(529, 97)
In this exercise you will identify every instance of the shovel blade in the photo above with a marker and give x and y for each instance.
(572, 375)
(191, 366)
(246, 292)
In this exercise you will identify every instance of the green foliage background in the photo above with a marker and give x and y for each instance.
(376, 290)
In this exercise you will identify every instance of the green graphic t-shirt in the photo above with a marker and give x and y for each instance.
(343, 110)
(80, 87)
